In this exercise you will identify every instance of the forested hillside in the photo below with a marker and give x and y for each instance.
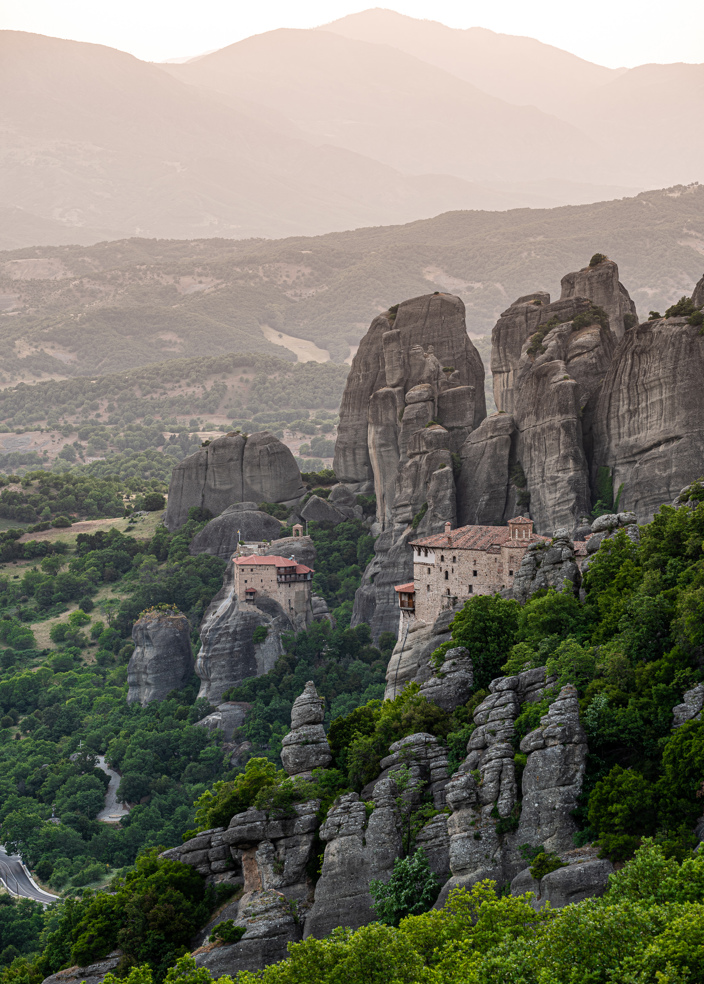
(75, 310)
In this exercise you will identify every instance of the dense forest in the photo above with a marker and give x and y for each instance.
(631, 648)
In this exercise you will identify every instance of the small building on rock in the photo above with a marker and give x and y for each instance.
(280, 578)
(451, 567)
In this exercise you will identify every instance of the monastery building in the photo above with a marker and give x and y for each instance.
(452, 566)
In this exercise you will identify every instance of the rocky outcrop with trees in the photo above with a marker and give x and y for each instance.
(162, 660)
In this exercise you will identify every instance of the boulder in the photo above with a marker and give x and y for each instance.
(565, 886)
(410, 659)
(321, 511)
(546, 566)
(211, 856)
(270, 925)
(222, 535)
(301, 548)
(413, 373)
(691, 707)
(233, 469)
(162, 660)
(94, 973)
(226, 718)
(357, 850)
(452, 685)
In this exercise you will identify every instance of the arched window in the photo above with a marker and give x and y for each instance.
(447, 576)
(442, 556)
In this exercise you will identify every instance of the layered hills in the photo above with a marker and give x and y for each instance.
(93, 309)
(375, 118)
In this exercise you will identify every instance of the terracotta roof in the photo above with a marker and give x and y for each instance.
(407, 588)
(474, 538)
(519, 520)
(273, 561)
(580, 548)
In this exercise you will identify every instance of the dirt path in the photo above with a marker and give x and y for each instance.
(304, 350)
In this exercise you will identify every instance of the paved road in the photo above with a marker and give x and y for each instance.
(15, 878)
(112, 811)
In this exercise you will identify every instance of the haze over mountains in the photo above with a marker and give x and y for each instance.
(375, 119)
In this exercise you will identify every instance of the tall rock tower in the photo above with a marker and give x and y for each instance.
(414, 394)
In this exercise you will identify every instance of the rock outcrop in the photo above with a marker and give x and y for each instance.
(601, 285)
(410, 659)
(545, 566)
(211, 857)
(485, 494)
(566, 886)
(691, 707)
(162, 660)
(232, 469)
(516, 324)
(552, 778)
(357, 850)
(222, 535)
(649, 426)
(228, 653)
(306, 747)
(94, 973)
(226, 718)
(414, 394)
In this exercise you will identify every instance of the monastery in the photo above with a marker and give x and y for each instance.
(450, 567)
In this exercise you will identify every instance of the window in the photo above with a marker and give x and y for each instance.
(474, 573)
(245, 580)
(471, 589)
(454, 560)
(510, 573)
(427, 587)
(448, 591)
(442, 556)
(447, 576)
(428, 570)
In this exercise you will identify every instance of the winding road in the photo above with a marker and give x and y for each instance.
(112, 811)
(18, 881)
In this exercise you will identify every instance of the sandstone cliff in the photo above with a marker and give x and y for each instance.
(414, 394)
(162, 660)
(233, 469)
(649, 426)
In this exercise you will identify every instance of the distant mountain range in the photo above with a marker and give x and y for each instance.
(374, 119)
(78, 310)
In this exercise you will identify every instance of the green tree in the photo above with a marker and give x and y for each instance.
(412, 889)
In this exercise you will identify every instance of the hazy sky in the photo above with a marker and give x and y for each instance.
(610, 32)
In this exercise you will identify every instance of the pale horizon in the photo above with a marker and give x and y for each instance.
(154, 30)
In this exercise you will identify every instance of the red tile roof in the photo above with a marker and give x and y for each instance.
(474, 538)
(407, 588)
(273, 561)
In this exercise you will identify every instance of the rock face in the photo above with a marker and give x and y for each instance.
(228, 653)
(211, 856)
(305, 747)
(356, 851)
(547, 566)
(650, 421)
(566, 886)
(94, 973)
(552, 778)
(222, 535)
(226, 718)
(162, 660)
(485, 496)
(233, 469)
(601, 285)
(410, 660)
(414, 394)
(698, 294)
(516, 324)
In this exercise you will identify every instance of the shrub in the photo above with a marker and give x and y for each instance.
(683, 308)
(544, 863)
(597, 259)
(62, 522)
(260, 633)
(154, 501)
(412, 889)
(227, 932)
